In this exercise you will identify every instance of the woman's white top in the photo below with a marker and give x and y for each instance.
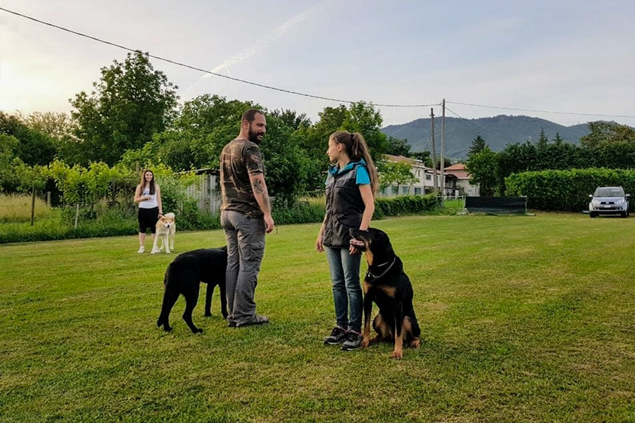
(151, 203)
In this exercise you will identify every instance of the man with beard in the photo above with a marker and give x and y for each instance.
(245, 217)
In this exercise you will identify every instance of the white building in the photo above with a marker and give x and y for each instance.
(457, 180)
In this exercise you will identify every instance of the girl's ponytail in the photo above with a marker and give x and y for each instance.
(356, 149)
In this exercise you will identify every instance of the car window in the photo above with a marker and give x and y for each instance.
(609, 192)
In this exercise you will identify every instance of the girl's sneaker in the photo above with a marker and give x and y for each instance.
(353, 340)
(141, 250)
(337, 336)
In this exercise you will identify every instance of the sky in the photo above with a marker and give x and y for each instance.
(573, 57)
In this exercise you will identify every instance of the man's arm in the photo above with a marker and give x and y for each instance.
(259, 187)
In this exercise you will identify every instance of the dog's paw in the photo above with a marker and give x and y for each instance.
(416, 343)
(198, 330)
(397, 355)
(365, 342)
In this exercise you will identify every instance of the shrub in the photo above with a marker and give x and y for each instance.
(400, 206)
(190, 218)
(300, 212)
(566, 190)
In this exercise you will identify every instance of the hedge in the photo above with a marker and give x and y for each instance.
(409, 204)
(115, 224)
(566, 190)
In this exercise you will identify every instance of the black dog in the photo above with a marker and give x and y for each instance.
(184, 276)
(387, 285)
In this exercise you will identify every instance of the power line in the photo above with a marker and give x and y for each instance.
(467, 120)
(269, 87)
(539, 111)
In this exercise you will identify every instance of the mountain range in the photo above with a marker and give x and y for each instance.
(497, 131)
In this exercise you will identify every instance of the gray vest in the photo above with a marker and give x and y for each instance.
(344, 207)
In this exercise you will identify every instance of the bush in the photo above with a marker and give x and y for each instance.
(566, 190)
(190, 218)
(400, 206)
(301, 212)
(312, 210)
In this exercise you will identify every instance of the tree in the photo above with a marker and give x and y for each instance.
(398, 147)
(60, 127)
(424, 156)
(358, 117)
(291, 118)
(477, 146)
(397, 173)
(482, 167)
(34, 147)
(55, 125)
(286, 165)
(447, 162)
(314, 142)
(363, 118)
(542, 140)
(200, 131)
(607, 132)
(9, 180)
(129, 104)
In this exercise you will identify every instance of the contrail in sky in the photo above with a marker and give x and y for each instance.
(260, 44)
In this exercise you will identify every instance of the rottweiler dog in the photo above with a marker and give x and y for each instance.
(387, 285)
(184, 276)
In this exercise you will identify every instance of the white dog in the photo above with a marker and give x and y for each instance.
(166, 228)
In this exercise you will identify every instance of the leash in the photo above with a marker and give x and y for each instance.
(368, 272)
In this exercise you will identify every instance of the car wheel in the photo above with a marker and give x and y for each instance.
(592, 215)
(625, 214)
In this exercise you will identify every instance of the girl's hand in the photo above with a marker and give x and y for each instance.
(318, 244)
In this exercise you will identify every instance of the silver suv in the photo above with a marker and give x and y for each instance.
(609, 200)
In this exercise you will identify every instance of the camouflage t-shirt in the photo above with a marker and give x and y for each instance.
(239, 159)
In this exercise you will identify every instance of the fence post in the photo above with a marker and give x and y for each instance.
(33, 205)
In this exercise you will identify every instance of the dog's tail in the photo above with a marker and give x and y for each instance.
(170, 295)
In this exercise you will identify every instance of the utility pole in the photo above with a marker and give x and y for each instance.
(442, 164)
(434, 152)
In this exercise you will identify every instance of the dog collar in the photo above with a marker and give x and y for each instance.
(369, 273)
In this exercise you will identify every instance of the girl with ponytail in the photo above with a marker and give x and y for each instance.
(351, 186)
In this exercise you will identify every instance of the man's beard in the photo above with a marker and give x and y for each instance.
(253, 136)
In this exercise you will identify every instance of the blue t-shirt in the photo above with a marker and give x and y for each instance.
(362, 177)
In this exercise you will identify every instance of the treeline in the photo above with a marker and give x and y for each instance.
(608, 146)
(132, 119)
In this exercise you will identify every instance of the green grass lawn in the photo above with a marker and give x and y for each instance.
(524, 319)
